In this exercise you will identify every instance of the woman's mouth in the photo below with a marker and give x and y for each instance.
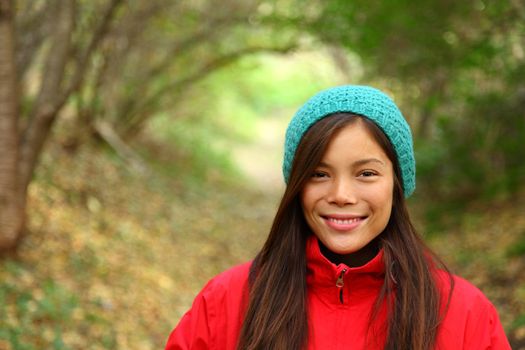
(343, 223)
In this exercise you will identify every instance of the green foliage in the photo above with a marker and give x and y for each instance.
(41, 314)
(519, 322)
(269, 83)
(517, 249)
(199, 149)
(477, 156)
(398, 38)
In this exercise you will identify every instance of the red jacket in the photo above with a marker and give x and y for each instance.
(338, 312)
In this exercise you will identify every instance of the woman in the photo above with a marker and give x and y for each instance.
(343, 266)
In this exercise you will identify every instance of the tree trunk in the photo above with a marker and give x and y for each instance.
(46, 107)
(53, 95)
(12, 199)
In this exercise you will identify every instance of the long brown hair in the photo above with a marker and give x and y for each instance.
(276, 316)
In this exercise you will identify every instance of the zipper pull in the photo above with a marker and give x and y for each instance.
(340, 280)
(340, 284)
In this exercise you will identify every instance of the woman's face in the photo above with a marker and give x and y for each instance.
(348, 199)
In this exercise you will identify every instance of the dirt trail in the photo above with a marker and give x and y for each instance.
(261, 160)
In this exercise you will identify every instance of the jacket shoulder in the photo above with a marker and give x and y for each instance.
(215, 317)
(229, 280)
(471, 321)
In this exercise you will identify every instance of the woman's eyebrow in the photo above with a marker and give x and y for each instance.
(368, 160)
(356, 163)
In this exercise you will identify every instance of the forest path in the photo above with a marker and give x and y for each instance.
(261, 160)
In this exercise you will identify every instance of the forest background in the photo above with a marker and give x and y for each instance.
(140, 147)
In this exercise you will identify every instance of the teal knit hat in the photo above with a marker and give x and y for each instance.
(362, 100)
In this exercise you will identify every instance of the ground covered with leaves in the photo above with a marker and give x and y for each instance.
(113, 258)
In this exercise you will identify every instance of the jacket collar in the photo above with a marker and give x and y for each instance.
(323, 273)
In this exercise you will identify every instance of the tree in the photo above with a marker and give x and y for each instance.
(21, 145)
(118, 62)
(12, 202)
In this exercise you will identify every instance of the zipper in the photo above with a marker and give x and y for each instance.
(340, 284)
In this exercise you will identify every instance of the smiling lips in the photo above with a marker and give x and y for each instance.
(343, 223)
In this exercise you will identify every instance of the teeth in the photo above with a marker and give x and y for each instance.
(343, 222)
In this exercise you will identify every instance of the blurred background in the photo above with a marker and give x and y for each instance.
(141, 145)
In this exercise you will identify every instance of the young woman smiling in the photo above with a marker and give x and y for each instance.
(343, 266)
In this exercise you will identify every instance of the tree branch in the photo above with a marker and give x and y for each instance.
(109, 135)
(140, 112)
(43, 113)
(50, 101)
(83, 63)
(206, 34)
(32, 28)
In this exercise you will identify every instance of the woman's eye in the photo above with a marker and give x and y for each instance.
(367, 173)
(318, 174)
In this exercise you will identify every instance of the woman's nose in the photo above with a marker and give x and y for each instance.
(342, 192)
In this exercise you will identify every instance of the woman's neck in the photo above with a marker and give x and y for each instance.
(356, 259)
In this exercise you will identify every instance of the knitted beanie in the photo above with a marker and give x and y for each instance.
(367, 102)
